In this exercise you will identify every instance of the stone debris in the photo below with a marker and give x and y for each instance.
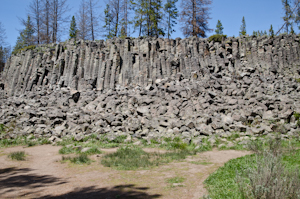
(152, 88)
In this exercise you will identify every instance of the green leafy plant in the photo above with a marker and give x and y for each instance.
(217, 38)
(18, 155)
(80, 159)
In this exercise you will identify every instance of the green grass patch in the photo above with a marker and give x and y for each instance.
(273, 169)
(18, 155)
(176, 180)
(132, 158)
(79, 159)
(201, 162)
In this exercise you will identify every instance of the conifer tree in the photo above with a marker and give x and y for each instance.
(243, 27)
(271, 31)
(108, 19)
(73, 29)
(148, 17)
(172, 14)
(287, 14)
(219, 28)
(26, 37)
(195, 16)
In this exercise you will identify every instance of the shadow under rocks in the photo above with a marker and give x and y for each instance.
(14, 178)
(129, 191)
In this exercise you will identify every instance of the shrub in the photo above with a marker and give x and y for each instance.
(18, 155)
(80, 159)
(217, 38)
(131, 158)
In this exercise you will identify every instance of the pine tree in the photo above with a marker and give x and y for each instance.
(219, 28)
(287, 14)
(26, 37)
(243, 27)
(172, 14)
(148, 17)
(271, 31)
(108, 23)
(195, 16)
(73, 29)
(292, 30)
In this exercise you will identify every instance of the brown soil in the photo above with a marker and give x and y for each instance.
(42, 175)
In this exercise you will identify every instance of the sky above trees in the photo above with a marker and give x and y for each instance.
(259, 15)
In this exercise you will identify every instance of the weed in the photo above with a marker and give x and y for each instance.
(80, 159)
(66, 150)
(298, 80)
(269, 173)
(175, 180)
(201, 162)
(132, 158)
(18, 155)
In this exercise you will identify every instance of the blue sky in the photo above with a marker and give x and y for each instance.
(259, 15)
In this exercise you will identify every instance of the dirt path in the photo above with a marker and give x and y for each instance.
(43, 176)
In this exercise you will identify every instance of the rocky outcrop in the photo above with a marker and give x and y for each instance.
(149, 88)
(118, 64)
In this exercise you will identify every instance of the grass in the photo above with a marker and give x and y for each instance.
(70, 150)
(79, 159)
(18, 155)
(132, 158)
(201, 162)
(175, 180)
(273, 168)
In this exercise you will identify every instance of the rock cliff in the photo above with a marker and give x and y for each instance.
(117, 64)
(148, 88)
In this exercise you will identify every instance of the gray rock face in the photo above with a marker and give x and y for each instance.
(117, 64)
(148, 88)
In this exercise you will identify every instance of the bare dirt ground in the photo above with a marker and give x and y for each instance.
(42, 175)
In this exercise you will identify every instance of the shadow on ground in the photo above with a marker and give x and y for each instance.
(15, 178)
(122, 192)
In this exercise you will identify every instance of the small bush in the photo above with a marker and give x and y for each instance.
(131, 158)
(80, 159)
(18, 155)
(217, 38)
(298, 80)
(66, 150)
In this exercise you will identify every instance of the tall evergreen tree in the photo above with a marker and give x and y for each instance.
(73, 29)
(26, 37)
(287, 14)
(271, 31)
(195, 16)
(243, 27)
(219, 28)
(108, 20)
(172, 14)
(4, 49)
(148, 17)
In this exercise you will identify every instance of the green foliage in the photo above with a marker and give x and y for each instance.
(148, 17)
(108, 19)
(271, 31)
(73, 29)
(271, 170)
(288, 14)
(2, 128)
(298, 80)
(175, 180)
(80, 159)
(172, 14)
(219, 28)
(132, 158)
(217, 38)
(26, 37)
(18, 155)
(243, 27)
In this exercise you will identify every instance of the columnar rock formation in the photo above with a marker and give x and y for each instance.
(148, 88)
(120, 63)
